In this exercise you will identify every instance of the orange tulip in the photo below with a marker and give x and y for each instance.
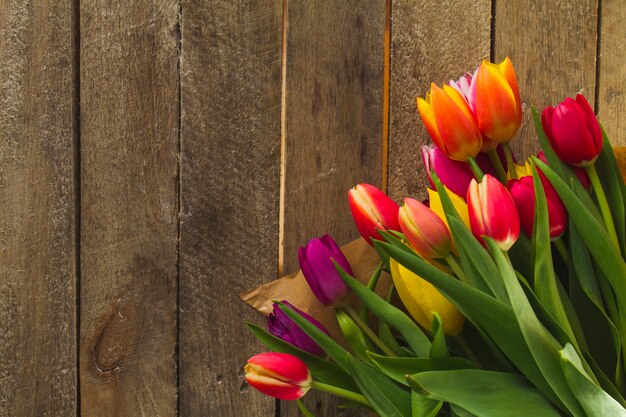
(498, 105)
(450, 123)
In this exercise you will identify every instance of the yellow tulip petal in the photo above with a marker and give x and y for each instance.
(457, 202)
(406, 298)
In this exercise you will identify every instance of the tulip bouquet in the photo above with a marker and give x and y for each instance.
(508, 294)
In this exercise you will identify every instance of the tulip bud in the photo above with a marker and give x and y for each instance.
(467, 88)
(498, 106)
(316, 262)
(422, 299)
(281, 326)
(573, 131)
(492, 212)
(450, 123)
(278, 375)
(425, 231)
(523, 193)
(372, 210)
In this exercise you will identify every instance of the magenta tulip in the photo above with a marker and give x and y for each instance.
(278, 375)
(281, 326)
(523, 193)
(580, 172)
(573, 131)
(492, 212)
(316, 262)
(372, 211)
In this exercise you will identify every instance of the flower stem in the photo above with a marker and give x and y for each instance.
(497, 163)
(604, 205)
(468, 351)
(344, 393)
(456, 268)
(478, 173)
(509, 160)
(368, 331)
(371, 285)
(305, 411)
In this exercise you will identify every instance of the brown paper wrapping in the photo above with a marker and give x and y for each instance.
(294, 288)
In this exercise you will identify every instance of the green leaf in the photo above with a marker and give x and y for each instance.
(385, 397)
(323, 370)
(593, 234)
(485, 393)
(456, 411)
(544, 276)
(358, 342)
(334, 350)
(391, 315)
(493, 317)
(543, 346)
(385, 333)
(424, 407)
(595, 401)
(397, 368)
(439, 348)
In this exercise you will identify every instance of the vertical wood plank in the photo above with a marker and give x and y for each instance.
(612, 71)
(430, 42)
(129, 139)
(231, 84)
(333, 126)
(555, 57)
(37, 201)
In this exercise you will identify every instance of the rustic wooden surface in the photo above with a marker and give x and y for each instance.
(37, 201)
(172, 173)
(430, 42)
(555, 57)
(611, 103)
(231, 61)
(333, 128)
(129, 224)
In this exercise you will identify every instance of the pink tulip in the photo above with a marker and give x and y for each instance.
(523, 193)
(372, 210)
(573, 131)
(492, 212)
(426, 232)
(453, 174)
(278, 375)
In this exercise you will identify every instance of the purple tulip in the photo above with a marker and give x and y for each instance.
(316, 262)
(281, 326)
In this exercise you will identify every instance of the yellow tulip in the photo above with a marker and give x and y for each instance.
(422, 299)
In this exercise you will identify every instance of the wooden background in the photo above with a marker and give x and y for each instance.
(159, 157)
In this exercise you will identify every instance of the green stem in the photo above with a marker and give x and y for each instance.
(478, 173)
(368, 331)
(468, 351)
(604, 205)
(560, 246)
(305, 411)
(497, 163)
(371, 285)
(456, 268)
(509, 160)
(344, 393)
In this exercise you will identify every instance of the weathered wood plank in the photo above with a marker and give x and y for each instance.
(37, 201)
(430, 42)
(612, 71)
(231, 66)
(129, 139)
(333, 126)
(553, 48)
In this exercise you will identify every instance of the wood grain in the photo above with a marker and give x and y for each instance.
(231, 66)
(37, 201)
(333, 126)
(129, 139)
(430, 42)
(555, 57)
(611, 104)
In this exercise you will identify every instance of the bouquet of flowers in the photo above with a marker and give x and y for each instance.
(508, 293)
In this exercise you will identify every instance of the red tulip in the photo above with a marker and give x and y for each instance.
(372, 210)
(581, 174)
(278, 375)
(426, 232)
(573, 131)
(498, 108)
(492, 212)
(450, 122)
(523, 193)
